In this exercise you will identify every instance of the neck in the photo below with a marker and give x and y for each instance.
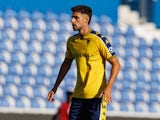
(84, 31)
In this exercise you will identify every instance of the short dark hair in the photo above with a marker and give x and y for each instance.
(83, 9)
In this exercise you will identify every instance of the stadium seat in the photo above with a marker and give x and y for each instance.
(49, 47)
(8, 101)
(23, 34)
(45, 70)
(131, 52)
(28, 80)
(37, 34)
(23, 14)
(141, 107)
(18, 57)
(156, 64)
(15, 69)
(7, 45)
(51, 36)
(23, 102)
(25, 23)
(38, 103)
(3, 68)
(20, 46)
(39, 24)
(37, 15)
(49, 16)
(127, 106)
(11, 22)
(154, 107)
(13, 79)
(42, 80)
(33, 58)
(8, 33)
(5, 56)
(25, 90)
(30, 70)
(10, 89)
(1, 23)
(35, 46)
(47, 59)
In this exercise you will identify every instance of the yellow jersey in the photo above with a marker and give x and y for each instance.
(90, 53)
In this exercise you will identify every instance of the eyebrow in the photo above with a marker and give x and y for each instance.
(75, 16)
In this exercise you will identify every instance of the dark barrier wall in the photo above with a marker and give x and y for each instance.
(50, 117)
(99, 7)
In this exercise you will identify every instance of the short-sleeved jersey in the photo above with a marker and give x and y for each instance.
(90, 53)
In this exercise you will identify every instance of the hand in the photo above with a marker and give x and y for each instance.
(50, 96)
(107, 94)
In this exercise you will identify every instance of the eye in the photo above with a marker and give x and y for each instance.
(76, 17)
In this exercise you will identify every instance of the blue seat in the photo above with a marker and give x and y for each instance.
(15, 69)
(45, 71)
(28, 80)
(25, 90)
(130, 31)
(156, 64)
(23, 14)
(49, 16)
(4, 68)
(154, 96)
(33, 58)
(38, 103)
(142, 96)
(156, 43)
(37, 15)
(131, 52)
(25, 23)
(39, 24)
(8, 33)
(154, 107)
(11, 90)
(6, 45)
(30, 70)
(18, 57)
(21, 46)
(51, 36)
(14, 79)
(5, 56)
(8, 101)
(49, 47)
(37, 34)
(105, 19)
(23, 102)
(53, 25)
(127, 107)
(23, 34)
(142, 43)
(35, 46)
(10, 13)
(47, 59)
(141, 107)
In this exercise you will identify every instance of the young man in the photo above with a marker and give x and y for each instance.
(90, 50)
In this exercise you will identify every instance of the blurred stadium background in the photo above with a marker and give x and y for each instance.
(33, 34)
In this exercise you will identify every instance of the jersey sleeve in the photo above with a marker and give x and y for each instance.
(68, 54)
(106, 49)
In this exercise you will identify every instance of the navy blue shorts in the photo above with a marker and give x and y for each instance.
(86, 109)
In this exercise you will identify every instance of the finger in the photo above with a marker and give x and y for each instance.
(101, 95)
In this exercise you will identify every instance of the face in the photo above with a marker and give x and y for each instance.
(79, 20)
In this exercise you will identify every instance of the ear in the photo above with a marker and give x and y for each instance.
(86, 18)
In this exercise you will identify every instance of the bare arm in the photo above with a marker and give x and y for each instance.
(63, 71)
(107, 92)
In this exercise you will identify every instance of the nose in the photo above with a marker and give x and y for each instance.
(73, 20)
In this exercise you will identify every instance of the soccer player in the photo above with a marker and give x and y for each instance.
(90, 50)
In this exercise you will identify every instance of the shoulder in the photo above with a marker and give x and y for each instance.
(99, 36)
(73, 36)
